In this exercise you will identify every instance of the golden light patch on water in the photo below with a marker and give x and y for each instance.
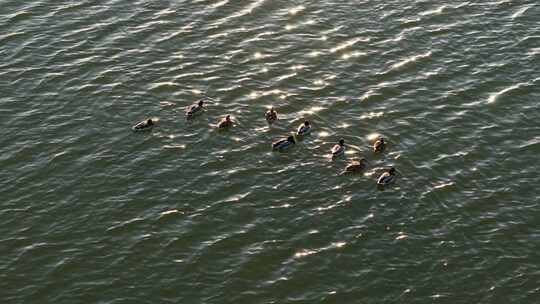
(258, 55)
(304, 252)
(312, 110)
(369, 173)
(371, 115)
(195, 91)
(274, 92)
(173, 211)
(324, 38)
(289, 27)
(494, 96)
(218, 4)
(264, 70)
(353, 55)
(253, 95)
(319, 82)
(401, 236)
(298, 67)
(367, 94)
(314, 54)
(339, 244)
(345, 45)
(373, 136)
(167, 104)
(295, 10)
(443, 185)
(324, 134)
(410, 59)
(533, 51)
(174, 146)
(237, 139)
(310, 22)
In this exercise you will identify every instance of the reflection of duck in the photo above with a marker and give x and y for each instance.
(356, 166)
(339, 148)
(195, 109)
(304, 128)
(379, 145)
(225, 122)
(387, 177)
(143, 125)
(284, 143)
(271, 115)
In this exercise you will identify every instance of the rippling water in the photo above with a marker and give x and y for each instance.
(94, 213)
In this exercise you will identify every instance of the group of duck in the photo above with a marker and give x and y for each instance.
(387, 178)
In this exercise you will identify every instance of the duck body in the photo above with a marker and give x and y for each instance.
(338, 149)
(387, 178)
(194, 109)
(283, 144)
(356, 166)
(225, 123)
(379, 145)
(144, 125)
(303, 130)
(271, 116)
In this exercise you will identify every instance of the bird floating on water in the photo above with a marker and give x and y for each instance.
(143, 125)
(339, 148)
(379, 145)
(304, 128)
(225, 122)
(195, 109)
(284, 143)
(271, 115)
(387, 177)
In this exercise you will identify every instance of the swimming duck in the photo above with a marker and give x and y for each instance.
(339, 148)
(271, 115)
(356, 166)
(225, 122)
(143, 125)
(304, 128)
(195, 109)
(379, 145)
(283, 144)
(387, 177)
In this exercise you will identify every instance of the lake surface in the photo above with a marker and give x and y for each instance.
(92, 212)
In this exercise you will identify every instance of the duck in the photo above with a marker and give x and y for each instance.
(379, 145)
(195, 109)
(143, 125)
(356, 166)
(304, 128)
(387, 177)
(339, 148)
(225, 122)
(271, 115)
(284, 143)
